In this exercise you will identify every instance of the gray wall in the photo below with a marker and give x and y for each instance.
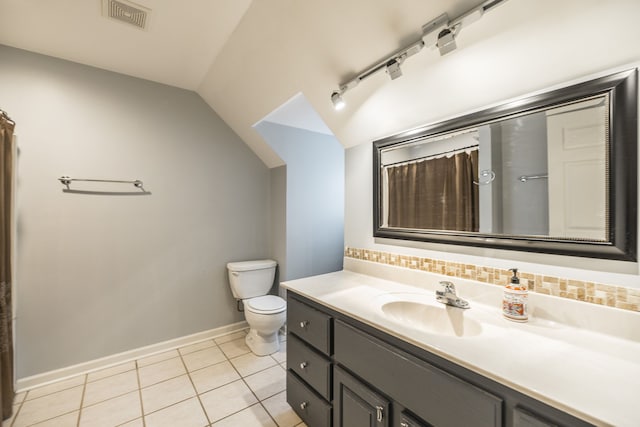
(102, 274)
(524, 152)
(314, 199)
(278, 216)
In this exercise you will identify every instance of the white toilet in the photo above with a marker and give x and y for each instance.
(250, 282)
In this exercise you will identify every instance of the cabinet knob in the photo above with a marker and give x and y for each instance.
(304, 365)
(304, 324)
(304, 405)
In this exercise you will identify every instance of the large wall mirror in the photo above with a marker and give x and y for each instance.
(553, 173)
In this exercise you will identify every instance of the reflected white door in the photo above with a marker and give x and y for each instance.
(577, 165)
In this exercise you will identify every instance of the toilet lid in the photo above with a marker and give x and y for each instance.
(267, 304)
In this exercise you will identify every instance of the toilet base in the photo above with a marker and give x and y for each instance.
(262, 345)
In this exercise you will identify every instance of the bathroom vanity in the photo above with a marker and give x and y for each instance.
(363, 351)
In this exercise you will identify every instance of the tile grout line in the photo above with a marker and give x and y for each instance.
(194, 385)
(55, 416)
(15, 417)
(238, 411)
(158, 361)
(168, 406)
(179, 356)
(251, 390)
(144, 422)
(84, 391)
(259, 402)
(115, 396)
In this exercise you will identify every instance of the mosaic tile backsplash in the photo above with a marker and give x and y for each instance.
(596, 293)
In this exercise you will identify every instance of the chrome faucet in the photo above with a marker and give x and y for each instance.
(448, 296)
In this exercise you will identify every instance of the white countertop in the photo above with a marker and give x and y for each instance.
(591, 375)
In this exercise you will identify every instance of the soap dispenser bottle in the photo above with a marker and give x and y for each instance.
(514, 302)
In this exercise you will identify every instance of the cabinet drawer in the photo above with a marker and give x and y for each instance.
(311, 325)
(432, 394)
(310, 365)
(522, 418)
(407, 420)
(313, 410)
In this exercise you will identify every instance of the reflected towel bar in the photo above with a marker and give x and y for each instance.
(68, 180)
(525, 178)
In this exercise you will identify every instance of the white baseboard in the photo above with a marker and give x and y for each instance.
(24, 384)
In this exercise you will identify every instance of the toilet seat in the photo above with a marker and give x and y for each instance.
(267, 304)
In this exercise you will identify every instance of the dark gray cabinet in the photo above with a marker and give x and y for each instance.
(344, 373)
(356, 405)
(309, 363)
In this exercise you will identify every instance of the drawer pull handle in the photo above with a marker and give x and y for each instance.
(403, 424)
(379, 413)
(304, 405)
(304, 365)
(304, 324)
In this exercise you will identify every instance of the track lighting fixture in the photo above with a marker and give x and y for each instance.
(338, 102)
(440, 32)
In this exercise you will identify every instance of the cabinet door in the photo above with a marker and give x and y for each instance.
(356, 405)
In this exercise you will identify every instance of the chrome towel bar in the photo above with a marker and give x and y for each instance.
(66, 180)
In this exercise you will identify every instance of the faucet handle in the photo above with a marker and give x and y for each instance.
(448, 295)
(449, 287)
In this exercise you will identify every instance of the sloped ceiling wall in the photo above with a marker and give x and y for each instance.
(283, 47)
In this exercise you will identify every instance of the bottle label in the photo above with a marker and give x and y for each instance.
(514, 306)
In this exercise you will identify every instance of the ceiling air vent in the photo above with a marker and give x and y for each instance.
(127, 12)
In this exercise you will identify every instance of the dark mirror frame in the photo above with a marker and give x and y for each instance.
(622, 88)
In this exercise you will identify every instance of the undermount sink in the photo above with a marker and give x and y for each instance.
(413, 311)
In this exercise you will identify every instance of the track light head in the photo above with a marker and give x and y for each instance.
(446, 41)
(393, 69)
(338, 102)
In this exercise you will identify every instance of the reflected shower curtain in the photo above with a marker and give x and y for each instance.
(435, 194)
(6, 208)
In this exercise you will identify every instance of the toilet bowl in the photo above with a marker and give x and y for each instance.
(250, 282)
(265, 316)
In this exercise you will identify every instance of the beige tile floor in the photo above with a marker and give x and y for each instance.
(215, 383)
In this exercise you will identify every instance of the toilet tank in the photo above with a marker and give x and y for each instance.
(249, 279)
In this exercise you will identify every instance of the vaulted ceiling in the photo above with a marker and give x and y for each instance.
(245, 58)
(181, 43)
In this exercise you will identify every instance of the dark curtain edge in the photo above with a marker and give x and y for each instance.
(7, 391)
